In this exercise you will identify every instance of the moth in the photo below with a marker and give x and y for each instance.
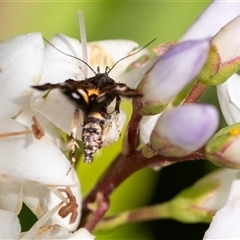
(93, 96)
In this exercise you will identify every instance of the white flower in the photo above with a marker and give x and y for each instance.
(229, 99)
(57, 232)
(225, 224)
(218, 14)
(32, 170)
(9, 225)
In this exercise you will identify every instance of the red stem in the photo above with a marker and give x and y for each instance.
(122, 168)
(130, 142)
(195, 93)
(102, 207)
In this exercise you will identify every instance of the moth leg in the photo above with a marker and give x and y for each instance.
(117, 111)
(73, 142)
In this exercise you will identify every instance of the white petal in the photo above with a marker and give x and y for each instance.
(225, 224)
(227, 41)
(132, 78)
(229, 99)
(116, 125)
(20, 67)
(25, 158)
(52, 232)
(11, 197)
(40, 200)
(230, 153)
(50, 130)
(52, 201)
(146, 126)
(35, 198)
(58, 110)
(58, 68)
(9, 225)
(218, 14)
(218, 197)
(82, 233)
(37, 225)
(106, 53)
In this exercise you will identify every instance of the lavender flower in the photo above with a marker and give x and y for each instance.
(184, 129)
(171, 73)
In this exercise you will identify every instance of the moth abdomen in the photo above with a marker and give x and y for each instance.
(92, 137)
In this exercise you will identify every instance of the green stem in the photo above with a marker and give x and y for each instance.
(159, 211)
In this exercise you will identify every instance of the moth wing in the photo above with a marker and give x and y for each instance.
(119, 89)
(76, 92)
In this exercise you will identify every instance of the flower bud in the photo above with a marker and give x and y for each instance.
(200, 201)
(184, 129)
(223, 59)
(224, 148)
(172, 72)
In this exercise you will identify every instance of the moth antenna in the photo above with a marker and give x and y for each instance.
(110, 69)
(107, 70)
(83, 41)
(98, 69)
(70, 56)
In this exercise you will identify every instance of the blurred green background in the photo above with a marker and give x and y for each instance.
(140, 21)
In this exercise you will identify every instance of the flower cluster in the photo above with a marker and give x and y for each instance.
(167, 126)
(34, 170)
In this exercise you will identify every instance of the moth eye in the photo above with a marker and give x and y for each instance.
(75, 95)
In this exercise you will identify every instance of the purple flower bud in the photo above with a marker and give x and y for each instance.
(184, 129)
(174, 70)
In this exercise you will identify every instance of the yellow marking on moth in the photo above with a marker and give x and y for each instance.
(234, 132)
(93, 91)
(97, 115)
(84, 95)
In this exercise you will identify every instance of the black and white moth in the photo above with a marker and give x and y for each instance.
(93, 96)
